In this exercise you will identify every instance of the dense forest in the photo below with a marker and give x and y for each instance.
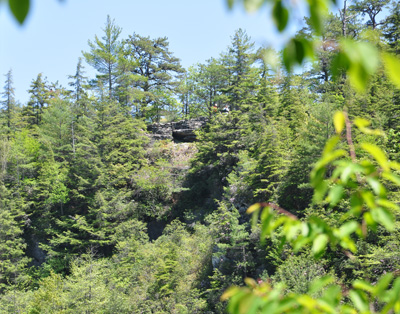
(96, 216)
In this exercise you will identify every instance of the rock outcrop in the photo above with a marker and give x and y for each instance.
(181, 131)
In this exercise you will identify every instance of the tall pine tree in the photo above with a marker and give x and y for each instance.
(104, 54)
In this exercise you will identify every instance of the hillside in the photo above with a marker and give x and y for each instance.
(128, 192)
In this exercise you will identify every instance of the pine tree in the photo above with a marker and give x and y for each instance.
(391, 28)
(316, 128)
(104, 54)
(328, 44)
(86, 165)
(79, 83)
(267, 96)
(39, 99)
(13, 260)
(56, 129)
(155, 69)
(208, 82)
(239, 73)
(120, 137)
(9, 105)
(294, 100)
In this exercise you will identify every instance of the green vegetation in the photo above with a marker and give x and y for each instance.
(98, 217)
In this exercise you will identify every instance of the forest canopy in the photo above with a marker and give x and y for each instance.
(99, 216)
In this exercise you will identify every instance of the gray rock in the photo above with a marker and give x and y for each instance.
(160, 131)
(182, 131)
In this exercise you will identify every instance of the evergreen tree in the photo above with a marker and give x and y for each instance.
(79, 83)
(56, 129)
(120, 138)
(9, 105)
(208, 82)
(186, 88)
(38, 100)
(86, 165)
(294, 101)
(391, 27)
(13, 259)
(328, 44)
(104, 54)
(239, 73)
(267, 96)
(155, 70)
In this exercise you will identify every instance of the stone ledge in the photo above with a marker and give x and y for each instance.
(182, 131)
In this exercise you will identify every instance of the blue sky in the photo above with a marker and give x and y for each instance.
(55, 33)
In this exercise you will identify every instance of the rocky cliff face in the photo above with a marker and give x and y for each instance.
(181, 131)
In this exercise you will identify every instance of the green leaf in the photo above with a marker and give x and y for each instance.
(230, 3)
(300, 51)
(19, 9)
(335, 195)
(319, 244)
(292, 231)
(330, 144)
(363, 285)
(392, 68)
(266, 225)
(329, 157)
(284, 306)
(383, 283)
(272, 58)
(388, 204)
(253, 5)
(356, 203)
(306, 301)
(395, 165)
(370, 220)
(391, 177)
(230, 292)
(296, 50)
(348, 243)
(318, 11)
(339, 64)
(368, 198)
(347, 229)
(319, 283)
(300, 242)
(348, 170)
(339, 121)
(305, 229)
(359, 59)
(359, 300)
(288, 56)
(253, 208)
(248, 304)
(235, 301)
(317, 175)
(384, 217)
(332, 295)
(361, 122)
(377, 153)
(320, 191)
(376, 186)
(280, 15)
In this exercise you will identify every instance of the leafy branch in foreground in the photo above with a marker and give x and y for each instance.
(359, 182)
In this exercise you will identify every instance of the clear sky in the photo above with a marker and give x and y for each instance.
(55, 33)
